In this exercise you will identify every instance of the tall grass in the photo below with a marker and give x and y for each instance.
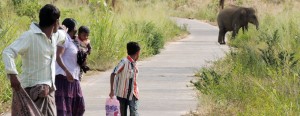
(10, 28)
(143, 21)
(199, 9)
(260, 74)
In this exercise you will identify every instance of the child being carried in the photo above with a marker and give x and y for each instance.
(84, 47)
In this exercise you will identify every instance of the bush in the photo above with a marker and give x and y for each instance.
(260, 76)
(275, 58)
(208, 80)
(29, 8)
(153, 38)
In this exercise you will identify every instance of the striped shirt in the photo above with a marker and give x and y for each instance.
(125, 71)
(38, 55)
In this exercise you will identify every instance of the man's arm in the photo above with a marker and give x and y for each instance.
(14, 82)
(19, 46)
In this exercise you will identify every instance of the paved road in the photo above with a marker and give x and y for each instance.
(163, 78)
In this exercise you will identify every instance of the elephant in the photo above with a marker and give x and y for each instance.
(233, 18)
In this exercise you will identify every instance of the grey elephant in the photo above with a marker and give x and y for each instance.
(233, 18)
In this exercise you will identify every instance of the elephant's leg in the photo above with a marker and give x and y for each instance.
(235, 32)
(243, 28)
(221, 39)
(220, 36)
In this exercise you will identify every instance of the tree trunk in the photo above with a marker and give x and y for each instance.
(113, 2)
(221, 4)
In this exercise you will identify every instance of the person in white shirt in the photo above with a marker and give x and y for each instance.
(68, 96)
(37, 48)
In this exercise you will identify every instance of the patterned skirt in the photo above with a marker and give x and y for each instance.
(22, 105)
(68, 97)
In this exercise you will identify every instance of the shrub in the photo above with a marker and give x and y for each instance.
(260, 74)
(29, 8)
(153, 38)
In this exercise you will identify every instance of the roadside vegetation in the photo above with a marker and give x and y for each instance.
(143, 21)
(260, 75)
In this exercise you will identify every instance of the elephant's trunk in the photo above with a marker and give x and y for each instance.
(255, 22)
(257, 25)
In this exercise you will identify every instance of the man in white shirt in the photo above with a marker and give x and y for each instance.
(37, 48)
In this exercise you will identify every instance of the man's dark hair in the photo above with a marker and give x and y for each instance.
(48, 15)
(70, 23)
(83, 29)
(132, 48)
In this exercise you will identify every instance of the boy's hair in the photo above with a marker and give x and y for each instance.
(48, 15)
(132, 48)
(83, 29)
(70, 23)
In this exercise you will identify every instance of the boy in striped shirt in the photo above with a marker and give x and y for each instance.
(123, 81)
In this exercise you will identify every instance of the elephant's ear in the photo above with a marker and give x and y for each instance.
(243, 15)
(251, 10)
(243, 11)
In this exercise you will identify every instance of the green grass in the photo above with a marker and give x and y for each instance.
(145, 22)
(260, 74)
(198, 9)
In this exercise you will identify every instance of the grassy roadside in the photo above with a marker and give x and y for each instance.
(144, 21)
(260, 74)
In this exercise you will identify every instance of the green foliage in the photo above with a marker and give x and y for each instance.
(154, 38)
(177, 4)
(110, 30)
(260, 76)
(200, 9)
(98, 5)
(5, 92)
(148, 35)
(268, 54)
(17, 2)
(106, 42)
(209, 12)
(7, 33)
(207, 81)
(29, 8)
(275, 58)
